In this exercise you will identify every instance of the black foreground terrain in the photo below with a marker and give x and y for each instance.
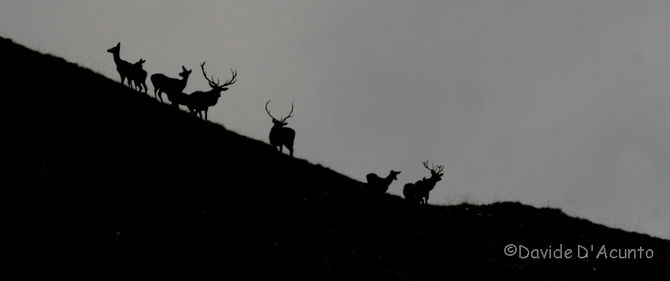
(101, 182)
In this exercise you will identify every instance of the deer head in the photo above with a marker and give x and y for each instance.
(394, 175)
(115, 49)
(281, 122)
(217, 87)
(184, 73)
(436, 172)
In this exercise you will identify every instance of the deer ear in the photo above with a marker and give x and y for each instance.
(118, 44)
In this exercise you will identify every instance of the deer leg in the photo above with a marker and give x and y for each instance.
(290, 150)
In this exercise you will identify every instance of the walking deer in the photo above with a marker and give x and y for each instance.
(172, 87)
(418, 192)
(200, 101)
(279, 134)
(381, 185)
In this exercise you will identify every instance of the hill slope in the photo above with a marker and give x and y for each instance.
(138, 189)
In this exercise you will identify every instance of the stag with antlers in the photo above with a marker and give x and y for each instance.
(279, 134)
(418, 191)
(172, 87)
(126, 69)
(200, 101)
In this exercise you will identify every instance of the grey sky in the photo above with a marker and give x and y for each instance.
(551, 103)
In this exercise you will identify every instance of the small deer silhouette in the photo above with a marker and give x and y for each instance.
(418, 192)
(138, 76)
(200, 101)
(279, 134)
(172, 87)
(381, 185)
(124, 68)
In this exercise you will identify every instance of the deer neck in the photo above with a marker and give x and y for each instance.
(212, 93)
(430, 182)
(277, 128)
(389, 178)
(183, 82)
(117, 58)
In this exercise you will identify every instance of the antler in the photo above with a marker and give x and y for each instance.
(268, 111)
(217, 84)
(435, 169)
(232, 80)
(290, 114)
(210, 81)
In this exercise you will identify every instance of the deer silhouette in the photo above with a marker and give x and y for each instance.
(418, 191)
(200, 101)
(138, 76)
(124, 68)
(172, 87)
(279, 134)
(379, 184)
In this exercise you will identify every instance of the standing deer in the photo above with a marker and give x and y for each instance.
(279, 134)
(123, 67)
(381, 185)
(200, 101)
(139, 76)
(418, 191)
(172, 87)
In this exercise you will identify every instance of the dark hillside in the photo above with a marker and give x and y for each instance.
(101, 182)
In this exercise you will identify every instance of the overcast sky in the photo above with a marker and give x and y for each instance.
(551, 103)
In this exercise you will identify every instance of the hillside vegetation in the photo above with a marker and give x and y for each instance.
(102, 182)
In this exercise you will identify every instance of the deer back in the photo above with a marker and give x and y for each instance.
(202, 99)
(167, 84)
(372, 178)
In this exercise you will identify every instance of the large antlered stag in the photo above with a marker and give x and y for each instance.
(418, 192)
(279, 134)
(200, 101)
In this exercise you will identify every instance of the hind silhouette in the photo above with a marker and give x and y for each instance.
(418, 192)
(172, 87)
(381, 185)
(139, 76)
(124, 68)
